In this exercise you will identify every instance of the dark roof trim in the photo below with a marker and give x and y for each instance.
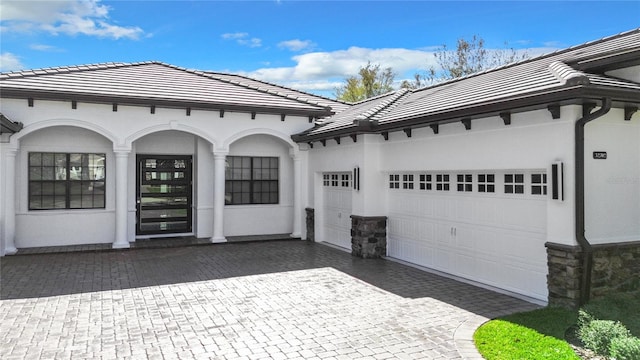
(168, 103)
(8, 126)
(565, 96)
(608, 62)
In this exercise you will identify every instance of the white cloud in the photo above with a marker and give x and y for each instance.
(45, 48)
(10, 62)
(70, 17)
(324, 71)
(234, 36)
(297, 44)
(243, 39)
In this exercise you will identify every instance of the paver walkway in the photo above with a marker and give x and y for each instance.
(267, 300)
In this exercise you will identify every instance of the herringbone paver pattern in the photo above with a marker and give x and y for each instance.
(271, 300)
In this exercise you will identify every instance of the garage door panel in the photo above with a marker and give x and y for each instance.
(336, 219)
(496, 239)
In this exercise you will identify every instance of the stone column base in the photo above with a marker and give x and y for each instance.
(368, 236)
(311, 223)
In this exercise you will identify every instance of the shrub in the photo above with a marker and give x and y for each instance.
(598, 334)
(625, 348)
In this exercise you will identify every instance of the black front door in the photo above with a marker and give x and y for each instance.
(164, 194)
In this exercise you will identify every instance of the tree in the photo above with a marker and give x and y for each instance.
(371, 81)
(469, 57)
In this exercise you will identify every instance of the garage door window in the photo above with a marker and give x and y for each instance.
(425, 182)
(407, 181)
(514, 183)
(486, 183)
(442, 182)
(394, 181)
(539, 184)
(465, 182)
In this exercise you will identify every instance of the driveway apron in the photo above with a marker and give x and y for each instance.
(261, 300)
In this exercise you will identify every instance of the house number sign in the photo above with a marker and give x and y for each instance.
(600, 155)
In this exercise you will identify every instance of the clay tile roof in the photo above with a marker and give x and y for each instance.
(153, 83)
(559, 76)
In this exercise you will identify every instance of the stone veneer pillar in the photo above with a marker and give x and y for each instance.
(616, 269)
(368, 236)
(565, 271)
(311, 223)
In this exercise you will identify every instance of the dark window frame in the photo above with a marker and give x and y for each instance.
(58, 173)
(243, 185)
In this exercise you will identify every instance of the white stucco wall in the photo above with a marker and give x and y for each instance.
(55, 126)
(63, 227)
(533, 141)
(267, 218)
(612, 185)
(629, 73)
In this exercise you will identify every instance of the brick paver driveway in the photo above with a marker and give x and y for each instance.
(271, 300)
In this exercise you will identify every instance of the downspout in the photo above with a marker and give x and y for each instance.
(587, 261)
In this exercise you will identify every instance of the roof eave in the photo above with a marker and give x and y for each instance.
(8, 126)
(318, 111)
(527, 102)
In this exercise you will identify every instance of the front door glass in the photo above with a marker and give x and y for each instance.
(164, 194)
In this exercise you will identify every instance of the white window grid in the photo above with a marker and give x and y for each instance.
(509, 183)
(407, 181)
(486, 183)
(425, 181)
(442, 182)
(465, 182)
(538, 184)
(394, 181)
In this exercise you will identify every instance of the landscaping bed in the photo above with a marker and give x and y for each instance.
(558, 333)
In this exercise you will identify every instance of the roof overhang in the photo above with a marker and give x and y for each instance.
(18, 93)
(608, 61)
(527, 102)
(8, 126)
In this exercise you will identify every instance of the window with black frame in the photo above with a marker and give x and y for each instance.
(66, 181)
(251, 180)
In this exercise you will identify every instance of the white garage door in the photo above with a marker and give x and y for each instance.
(488, 227)
(337, 209)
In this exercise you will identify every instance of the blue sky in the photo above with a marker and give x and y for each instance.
(309, 45)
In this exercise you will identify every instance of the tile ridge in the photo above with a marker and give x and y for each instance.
(533, 59)
(69, 69)
(370, 113)
(566, 74)
(214, 73)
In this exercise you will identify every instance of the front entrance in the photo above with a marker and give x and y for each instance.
(164, 192)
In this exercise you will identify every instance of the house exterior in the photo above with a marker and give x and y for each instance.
(524, 178)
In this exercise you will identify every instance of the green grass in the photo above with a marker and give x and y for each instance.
(539, 334)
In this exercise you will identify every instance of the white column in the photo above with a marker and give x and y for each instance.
(10, 201)
(122, 161)
(297, 195)
(219, 161)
